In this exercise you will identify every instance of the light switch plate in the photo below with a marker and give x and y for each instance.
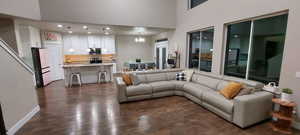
(297, 74)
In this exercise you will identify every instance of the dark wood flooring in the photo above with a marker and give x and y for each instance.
(94, 110)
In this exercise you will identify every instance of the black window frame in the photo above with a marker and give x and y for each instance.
(190, 6)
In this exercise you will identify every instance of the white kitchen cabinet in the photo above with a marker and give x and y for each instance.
(35, 37)
(80, 43)
(108, 44)
(67, 44)
(91, 43)
(29, 36)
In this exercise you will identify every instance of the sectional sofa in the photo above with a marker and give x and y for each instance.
(203, 89)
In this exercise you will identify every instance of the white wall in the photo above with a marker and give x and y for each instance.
(216, 13)
(153, 13)
(128, 50)
(21, 8)
(166, 35)
(17, 96)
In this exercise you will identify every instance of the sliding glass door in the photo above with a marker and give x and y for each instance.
(200, 50)
(267, 48)
(194, 50)
(237, 49)
(254, 49)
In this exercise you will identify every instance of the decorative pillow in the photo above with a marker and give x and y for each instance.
(138, 79)
(231, 90)
(246, 91)
(127, 79)
(180, 76)
(189, 74)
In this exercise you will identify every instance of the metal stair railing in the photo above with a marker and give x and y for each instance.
(12, 53)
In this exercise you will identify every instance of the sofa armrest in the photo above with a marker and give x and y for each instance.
(251, 109)
(121, 89)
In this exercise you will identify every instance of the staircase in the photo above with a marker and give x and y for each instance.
(9, 50)
(18, 96)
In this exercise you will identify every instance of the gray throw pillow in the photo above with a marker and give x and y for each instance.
(138, 79)
(246, 91)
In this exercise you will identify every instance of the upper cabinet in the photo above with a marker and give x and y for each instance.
(35, 39)
(30, 36)
(80, 44)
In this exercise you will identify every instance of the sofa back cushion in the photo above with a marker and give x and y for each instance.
(206, 80)
(156, 77)
(138, 79)
(171, 75)
(249, 83)
(222, 84)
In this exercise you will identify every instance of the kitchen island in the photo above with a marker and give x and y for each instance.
(89, 72)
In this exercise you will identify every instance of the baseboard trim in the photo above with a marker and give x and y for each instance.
(23, 121)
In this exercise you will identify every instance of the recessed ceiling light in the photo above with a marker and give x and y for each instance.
(84, 27)
(106, 33)
(59, 25)
(70, 32)
(107, 28)
(89, 32)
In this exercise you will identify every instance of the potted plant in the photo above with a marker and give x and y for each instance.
(286, 94)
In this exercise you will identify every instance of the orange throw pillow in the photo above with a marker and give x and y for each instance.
(127, 79)
(231, 90)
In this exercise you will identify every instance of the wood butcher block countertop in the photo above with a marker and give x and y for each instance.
(86, 65)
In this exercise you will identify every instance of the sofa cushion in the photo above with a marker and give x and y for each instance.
(188, 74)
(179, 84)
(222, 84)
(215, 99)
(208, 81)
(156, 77)
(195, 89)
(171, 75)
(162, 86)
(255, 84)
(138, 79)
(141, 89)
(246, 90)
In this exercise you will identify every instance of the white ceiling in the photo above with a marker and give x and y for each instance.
(77, 28)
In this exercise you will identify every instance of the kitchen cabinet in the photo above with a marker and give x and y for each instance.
(80, 43)
(30, 36)
(35, 37)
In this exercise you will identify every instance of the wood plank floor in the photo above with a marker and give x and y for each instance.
(94, 110)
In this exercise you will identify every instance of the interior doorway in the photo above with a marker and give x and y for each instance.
(161, 54)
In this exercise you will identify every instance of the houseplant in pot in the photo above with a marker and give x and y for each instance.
(286, 95)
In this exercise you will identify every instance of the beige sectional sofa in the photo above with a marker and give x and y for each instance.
(203, 89)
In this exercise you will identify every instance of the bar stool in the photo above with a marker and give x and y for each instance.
(102, 73)
(75, 73)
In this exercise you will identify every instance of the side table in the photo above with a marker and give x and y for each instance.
(284, 116)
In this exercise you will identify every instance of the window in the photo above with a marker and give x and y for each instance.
(256, 55)
(200, 50)
(194, 3)
(237, 49)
